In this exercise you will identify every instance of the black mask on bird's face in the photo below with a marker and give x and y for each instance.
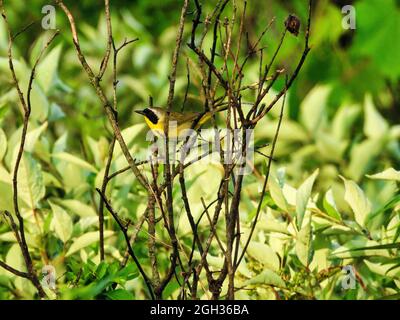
(149, 114)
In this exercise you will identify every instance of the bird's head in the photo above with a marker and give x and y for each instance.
(154, 116)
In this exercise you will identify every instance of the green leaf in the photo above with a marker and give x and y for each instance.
(362, 155)
(290, 131)
(20, 67)
(129, 134)
(205, 185)
(346, 251)
(96, 150)
(344, 120)
(3, 144)
(55, 113)
(379, 247)
(395, 296)
(5, 176)
(277, 193)
(90, 291)
(129, 272)
(120, 294)
(15, 259)
(313, 108)
(40, 104)
(303, 246)
(74, 160)
(47, 69)
(375, 126)
(303, 195)
(101, 270)
(86, 240)
(79, 208)
(264, 254)
(6, 198)
(385, 270)
(388, 206)
(357, 200)
(330, 205)
(51, 181)
(137, 86)
(33, 136)
(5, 282)
(330, 147)
(267, 277)
(61, 144)
(270, 225)
(30, 181)
(62, 223)
(388, 174)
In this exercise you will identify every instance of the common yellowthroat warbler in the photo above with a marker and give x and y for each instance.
(179, 121)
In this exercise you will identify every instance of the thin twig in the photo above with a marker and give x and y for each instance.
(253, 226)
(14, 271)
(106, 178)
(26, 104)
(295, 73)
(167, 167)
(111, 113)
(104, 62)
(125, 233)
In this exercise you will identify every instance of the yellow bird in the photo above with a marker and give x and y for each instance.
(179, 121)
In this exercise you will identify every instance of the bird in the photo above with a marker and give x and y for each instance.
(179, 121)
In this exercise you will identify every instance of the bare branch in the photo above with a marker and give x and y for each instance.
(26, 105)
(295, 73)
(253, 226)
(167, 168)
(111, 113)
(14, 271)
(104, 62)
(125, 233)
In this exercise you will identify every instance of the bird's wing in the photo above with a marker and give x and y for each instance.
(187, 117)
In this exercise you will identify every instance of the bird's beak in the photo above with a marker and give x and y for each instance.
(140, 112)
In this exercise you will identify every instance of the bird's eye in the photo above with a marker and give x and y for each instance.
(151, 115)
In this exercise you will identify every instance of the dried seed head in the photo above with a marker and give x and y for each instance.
(292, 24)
